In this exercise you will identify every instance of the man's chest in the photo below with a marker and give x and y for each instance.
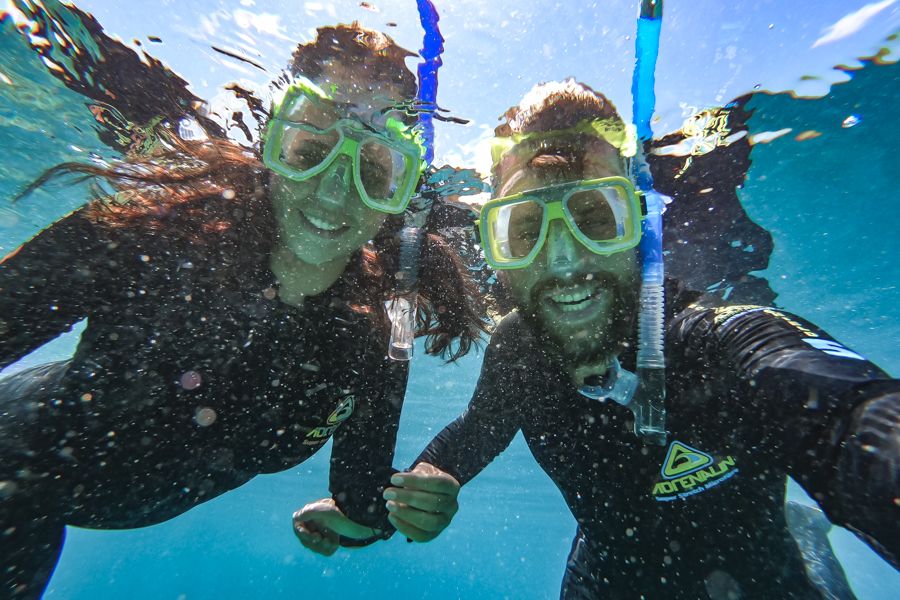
(590, 450)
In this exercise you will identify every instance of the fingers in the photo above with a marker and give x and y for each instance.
(411, 531)
(324, 542)
(425, 521)
(423, 502)
(427, 501)
(320, 524)
(427, 478)
(327, 516)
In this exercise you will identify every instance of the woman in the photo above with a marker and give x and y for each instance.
(235, 316)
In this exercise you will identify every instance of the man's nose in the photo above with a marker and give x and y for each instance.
(335, 182)
(562, 250)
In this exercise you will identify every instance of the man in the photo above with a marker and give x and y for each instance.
(754, 394)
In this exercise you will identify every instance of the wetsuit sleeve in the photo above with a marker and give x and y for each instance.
(486, 428)
(47, 285)
(811, 406)
(363, 452)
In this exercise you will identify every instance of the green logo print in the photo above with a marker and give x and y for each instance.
(681, 459)
(687, 471)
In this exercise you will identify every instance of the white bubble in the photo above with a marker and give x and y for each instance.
(191, 380)
(205, 416)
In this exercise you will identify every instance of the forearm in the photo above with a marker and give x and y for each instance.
(467, 445)
(820, 411)
(49, 284)
(363, 452)
(859, 482)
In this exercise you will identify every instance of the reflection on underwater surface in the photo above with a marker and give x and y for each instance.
(505, 542)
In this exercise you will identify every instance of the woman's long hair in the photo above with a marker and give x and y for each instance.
(209, 190)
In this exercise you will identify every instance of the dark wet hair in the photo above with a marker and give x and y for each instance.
(204, 192)
(554, 106)
(375, 52)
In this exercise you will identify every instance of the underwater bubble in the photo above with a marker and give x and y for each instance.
(191, 380)
(7, 488)
(205, 416)
(851, 121)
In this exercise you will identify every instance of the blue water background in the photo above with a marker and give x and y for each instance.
(830, 205)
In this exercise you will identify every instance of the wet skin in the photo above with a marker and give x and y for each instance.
(322, 221)
(584, 302)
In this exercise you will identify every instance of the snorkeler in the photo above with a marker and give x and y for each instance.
(753, 394)
(235, 315)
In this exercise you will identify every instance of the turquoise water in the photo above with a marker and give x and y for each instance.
(828, 202)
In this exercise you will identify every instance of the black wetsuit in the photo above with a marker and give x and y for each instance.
(754, 395)
(190, 378)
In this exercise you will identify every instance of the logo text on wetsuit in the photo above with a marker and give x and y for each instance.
(320, 435)
(687, 471)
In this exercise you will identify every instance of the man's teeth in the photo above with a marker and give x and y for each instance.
(322, 224)
(571, 298)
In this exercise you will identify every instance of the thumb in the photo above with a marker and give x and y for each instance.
(339, 523)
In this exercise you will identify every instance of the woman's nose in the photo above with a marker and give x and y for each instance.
(335, 183)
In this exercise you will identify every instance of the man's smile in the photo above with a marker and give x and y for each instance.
(576, 303)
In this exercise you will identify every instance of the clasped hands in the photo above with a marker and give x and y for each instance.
(421, 503)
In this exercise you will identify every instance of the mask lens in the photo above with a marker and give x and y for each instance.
(516, 229)
(600, 214)
(304, 148)
(383, 171)
(307, 110)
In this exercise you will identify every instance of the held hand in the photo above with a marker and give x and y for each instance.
(319, 525)
(423, 502)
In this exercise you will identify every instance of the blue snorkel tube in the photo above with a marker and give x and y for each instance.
(403, 306)
(648, 404)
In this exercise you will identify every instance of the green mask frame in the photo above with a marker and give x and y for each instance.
(397, 150)
(577, 204)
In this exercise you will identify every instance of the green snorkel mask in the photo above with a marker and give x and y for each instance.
(309, 131)
(604, 215)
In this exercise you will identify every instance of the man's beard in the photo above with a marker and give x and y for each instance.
(609, 342)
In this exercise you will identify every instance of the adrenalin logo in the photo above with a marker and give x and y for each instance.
(320, 435)
(687, 471)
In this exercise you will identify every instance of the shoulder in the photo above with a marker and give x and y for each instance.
(513, 330)
(515, 345)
